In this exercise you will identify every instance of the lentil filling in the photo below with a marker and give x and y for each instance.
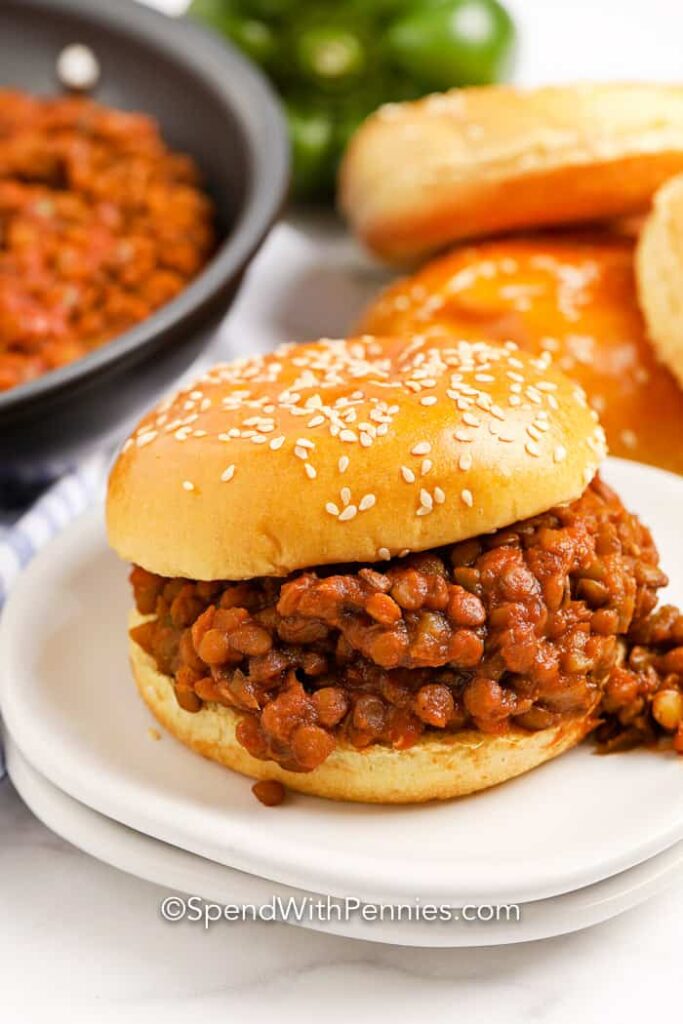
(522, 627)
(100, 224)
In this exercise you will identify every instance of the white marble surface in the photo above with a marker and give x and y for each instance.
(80, 941)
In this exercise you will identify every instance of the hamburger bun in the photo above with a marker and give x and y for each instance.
(573, 295)
(437, 767)
(659, 265)
(418, 176)
(347, 451)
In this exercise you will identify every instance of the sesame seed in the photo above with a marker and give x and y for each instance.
(143, 439)
(311, 472)
(429, 400)
(343, 463)
(407, 475)
(345, 495)
(384, 553)
(188, 485)
(348, 435)
(258, 439)
(465, 461)
(301, 453)
(439, 496)
(331, 508)
(470, 419)
(348, 513)
(426, 467)
(317, 421)
(462, 435)
(277, 442)
(467, 498)
(560, 453)
(426, 498)
(423, 448)
(228, 473)
(366, 502)
(303, 442)
(532, 448)
(365, 439)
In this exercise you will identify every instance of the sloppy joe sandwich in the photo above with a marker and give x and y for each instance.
(385, 570)
(480, 161)
(573, 295)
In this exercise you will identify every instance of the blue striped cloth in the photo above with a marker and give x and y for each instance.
(23, 533)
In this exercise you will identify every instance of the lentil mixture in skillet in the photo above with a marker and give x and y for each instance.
(100, 224)
(538, 621)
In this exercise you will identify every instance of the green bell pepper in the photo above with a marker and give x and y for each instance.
(333, 63)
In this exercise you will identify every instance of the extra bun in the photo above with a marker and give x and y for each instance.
(660, 276)
(436, 768)
(480, 161)
(573, 295)
(347, 451)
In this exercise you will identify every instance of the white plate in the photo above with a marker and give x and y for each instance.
(68, 700)
(187, 873)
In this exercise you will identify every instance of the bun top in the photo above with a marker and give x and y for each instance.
(480, 161)
(347, 451)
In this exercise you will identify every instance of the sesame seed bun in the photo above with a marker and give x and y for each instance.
(574, 295)
(472, 162)
(437, 767)
(347, 451)
(659, 264)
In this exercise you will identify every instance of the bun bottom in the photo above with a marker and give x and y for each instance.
(435, 768)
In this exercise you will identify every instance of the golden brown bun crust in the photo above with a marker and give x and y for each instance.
(573, 294)
(436, 768)
(659, 264)
(481, 161)
(444, 441)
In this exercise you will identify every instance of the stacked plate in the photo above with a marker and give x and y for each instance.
(572, 843)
